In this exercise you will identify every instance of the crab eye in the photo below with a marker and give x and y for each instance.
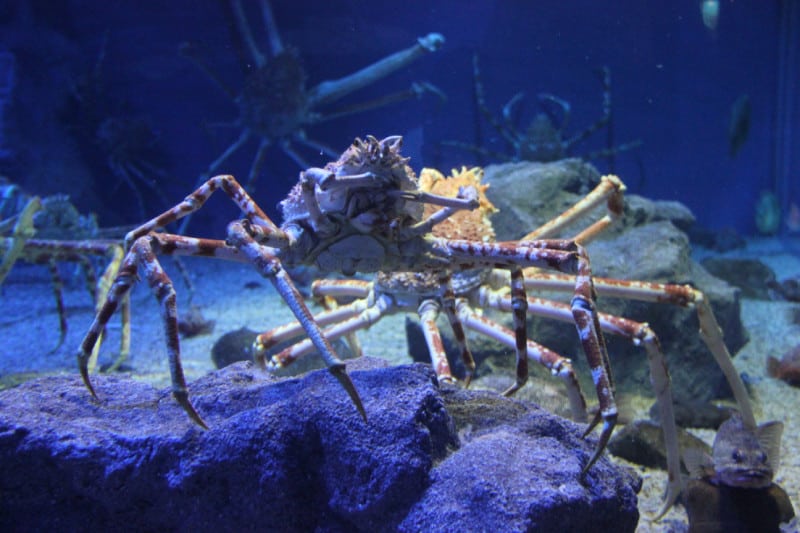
(737, 456)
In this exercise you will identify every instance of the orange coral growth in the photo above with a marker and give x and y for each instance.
(472, 225)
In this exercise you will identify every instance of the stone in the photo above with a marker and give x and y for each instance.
(705, 415)
(642, 442)
(292, 454)
(645, 245)
(751, 276)
(516, 474)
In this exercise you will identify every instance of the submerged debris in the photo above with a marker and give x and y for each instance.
(786, 368)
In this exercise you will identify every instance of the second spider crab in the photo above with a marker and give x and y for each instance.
(545, 138)
(364, 212)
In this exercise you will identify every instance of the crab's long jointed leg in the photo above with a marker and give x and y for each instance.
(22, 231)
(332, 90)
(639, 334)
(141, 258)
(610, 190)
(564, 256)
(448, 299)
(681, 295)
(241, 236)
(193, 202)
(558, 365)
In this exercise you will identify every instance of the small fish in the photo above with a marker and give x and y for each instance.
(786, 368)
(741, 457)
(739, 125)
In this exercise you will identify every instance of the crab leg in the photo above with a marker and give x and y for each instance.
(23, 230)
(559, 366)
(681, 295)
(273, 236)
(639, 334)
(428, 312)
(370, 315)
(332, 90)
(448, 302)
(270, 267)
(565, 256)
(609, 190)
(142, 257)
(267, 340)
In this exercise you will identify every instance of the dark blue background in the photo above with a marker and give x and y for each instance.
(674, 82)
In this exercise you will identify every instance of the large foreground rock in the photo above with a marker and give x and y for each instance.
(648, 244)
(293, 455)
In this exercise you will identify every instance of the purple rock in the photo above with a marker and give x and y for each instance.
(286, 454)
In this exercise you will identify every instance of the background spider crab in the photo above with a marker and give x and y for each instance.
(546, 137)
(275, 106)
(51, 231)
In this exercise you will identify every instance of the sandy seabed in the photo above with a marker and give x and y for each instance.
(29, 332)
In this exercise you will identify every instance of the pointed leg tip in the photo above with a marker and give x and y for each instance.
(609, 421)
(87, 381)
(340, 373)
(182, 397)
(512, 390)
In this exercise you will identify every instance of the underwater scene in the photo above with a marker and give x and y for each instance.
(274, 265)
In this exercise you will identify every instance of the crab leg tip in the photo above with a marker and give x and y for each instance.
(183, 400)
(340, 373)
(609, 421)
(86, 381)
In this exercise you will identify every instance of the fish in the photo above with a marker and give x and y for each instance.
(739, 124)
(741, 457)
(786, 368)
(732, 490)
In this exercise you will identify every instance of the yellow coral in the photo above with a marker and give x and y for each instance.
(471, 225)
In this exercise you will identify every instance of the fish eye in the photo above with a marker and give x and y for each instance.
(762, 457)
(737, 456)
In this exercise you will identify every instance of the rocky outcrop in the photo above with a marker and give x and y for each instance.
(294, 455)
(648, 244)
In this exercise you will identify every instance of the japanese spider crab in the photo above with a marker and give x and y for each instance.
(35, 235)
(463, 294)
(364, 212)
(545, 138)
(275, 106)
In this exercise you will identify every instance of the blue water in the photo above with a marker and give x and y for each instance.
(673, 84)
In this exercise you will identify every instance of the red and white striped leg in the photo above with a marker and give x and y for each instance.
(564, 256)
(555, 363)
(141, 259)
(448, 302)
(269, 266)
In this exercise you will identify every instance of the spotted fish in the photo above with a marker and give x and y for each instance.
(741, 456)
